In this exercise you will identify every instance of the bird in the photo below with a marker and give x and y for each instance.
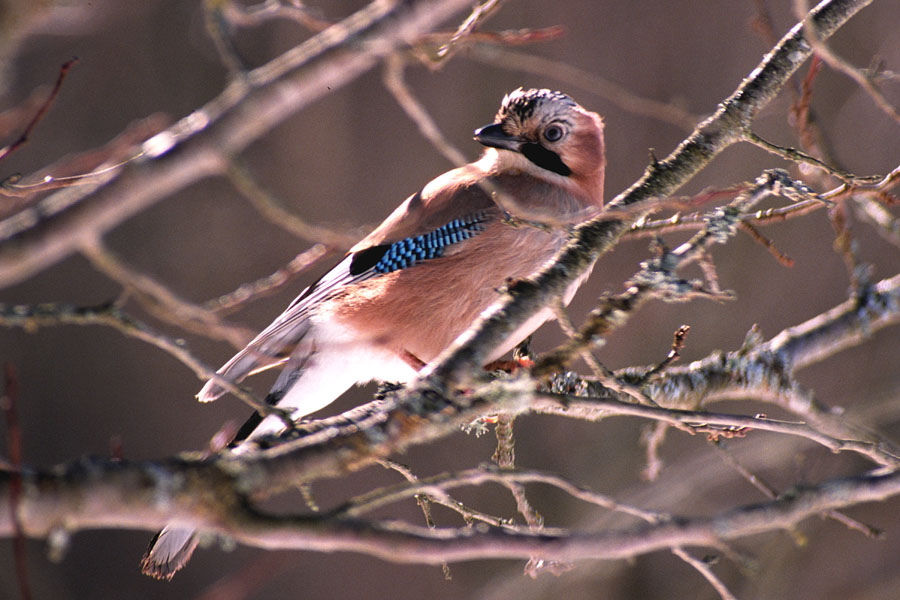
(406, 291)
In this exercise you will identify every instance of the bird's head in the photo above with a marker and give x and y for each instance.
(554, 134)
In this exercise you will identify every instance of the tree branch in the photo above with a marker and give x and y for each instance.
(142, 496)
(202, 143)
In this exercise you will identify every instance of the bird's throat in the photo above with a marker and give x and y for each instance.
(545, 159)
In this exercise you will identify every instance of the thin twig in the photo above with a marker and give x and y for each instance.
(653, 437)
(584, 407)
(768, 244)
(30, 318)
(23, 139)
(231, 301)
(43, 234)
(257, 14)
(505, 457)
(800, 157)
(273, 209)
(396, 84)
(801, 9)
(620, 96)
(675, 353)
(770, 493)
(9, 402)
(422, 500)
(703, 568)
(162, 302)
(480, 13)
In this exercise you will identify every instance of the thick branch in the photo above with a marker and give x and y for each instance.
(140, 495)
(842, 327)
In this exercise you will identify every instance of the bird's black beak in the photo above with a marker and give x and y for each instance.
(493, 136)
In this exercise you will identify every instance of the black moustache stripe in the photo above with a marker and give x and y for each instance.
(545, 159)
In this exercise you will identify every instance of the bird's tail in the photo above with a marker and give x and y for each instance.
(172, 547)
(169, 551)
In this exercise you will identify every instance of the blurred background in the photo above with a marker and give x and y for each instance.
(346, 162)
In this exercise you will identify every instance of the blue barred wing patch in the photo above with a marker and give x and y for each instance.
(409, 251)
(360, 266)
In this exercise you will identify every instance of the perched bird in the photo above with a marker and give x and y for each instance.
(405, 292)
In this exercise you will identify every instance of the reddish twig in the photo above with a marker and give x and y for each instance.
(116, 447)
(800, 109)
(480, 13)
(8, 402)
(862, 79)
(63, 71)
(85, 167)
(844, 243)
(675, 352)
(768, 244)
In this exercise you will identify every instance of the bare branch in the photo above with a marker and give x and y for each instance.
(703, 567)
(44, 315)
(396, 84)
(9, 404)
(621, 97)
(63, 71)
(147, 495)
(160, 300)
(835, 62)
(256, 14)
(264, 286)
(207, 138)
(273, 209)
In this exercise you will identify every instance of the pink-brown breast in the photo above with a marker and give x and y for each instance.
(422, 309)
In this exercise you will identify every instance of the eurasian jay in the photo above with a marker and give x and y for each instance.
(408, 289)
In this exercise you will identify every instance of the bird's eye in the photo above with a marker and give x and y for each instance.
(553, 133)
